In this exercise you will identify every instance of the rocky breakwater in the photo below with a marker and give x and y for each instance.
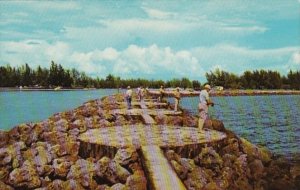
(49, 155)
(234, 163)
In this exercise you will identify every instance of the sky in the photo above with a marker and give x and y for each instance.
(152, 39)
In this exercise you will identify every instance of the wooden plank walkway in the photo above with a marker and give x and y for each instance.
(160, 173)
(145, 102)
(149, 138)
(153, 112)
(148, 119)
(143, 135)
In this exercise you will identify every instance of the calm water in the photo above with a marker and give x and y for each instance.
(31, 106)
(272, 121)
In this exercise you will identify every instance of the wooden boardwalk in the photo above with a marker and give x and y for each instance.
(148, 138)
(161, 175)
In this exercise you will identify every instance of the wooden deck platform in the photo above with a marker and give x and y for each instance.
(143, 135)
(161, 175)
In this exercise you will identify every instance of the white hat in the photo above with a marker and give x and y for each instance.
(207, 86)
(128, 87)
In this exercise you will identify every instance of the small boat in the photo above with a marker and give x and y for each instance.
(57, 88)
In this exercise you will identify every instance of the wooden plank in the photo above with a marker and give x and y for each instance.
(143, 105)
(142, 111)
(145, 102)
(160, 173)
(148, 119)
(142, 135)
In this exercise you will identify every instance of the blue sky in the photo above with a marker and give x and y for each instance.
(152, 39)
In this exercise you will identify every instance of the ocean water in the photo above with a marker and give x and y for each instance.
(271, 121)
(18, 107)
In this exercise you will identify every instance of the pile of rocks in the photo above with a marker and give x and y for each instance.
(234, 163)
(45, 155)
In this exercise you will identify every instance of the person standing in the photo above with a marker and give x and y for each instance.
(128, 97)
(177, 97)
(142, 94)
(204, 103)
(139, 93)
(161, 94)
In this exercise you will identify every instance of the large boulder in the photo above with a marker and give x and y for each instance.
(179, 169)
(197, 179)
(255, 152)
(215, 125)
(61, 167)
(125, 156)
(83, 171)
(137, 181)
(4, 138)
(208, 156)
(4, 186)
(257, 169)
(111, 171)
(26, 176)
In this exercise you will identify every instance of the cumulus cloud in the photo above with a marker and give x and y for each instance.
(237, 59)
(158, 14)
(150, 61)
(296, 58)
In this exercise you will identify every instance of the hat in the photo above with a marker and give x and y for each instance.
(177, 88)
(207, 86)
(128, 87)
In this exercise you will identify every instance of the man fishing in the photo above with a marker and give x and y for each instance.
(204, 103)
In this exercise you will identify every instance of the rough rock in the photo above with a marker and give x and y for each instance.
(4, 186)
(4, 173)
(83, 172)
(25, 176)
(189, 121)
(125, 156)
(4, 138)
(174, 120)
(72, 185)
(104, 123)
(111, 171)
(61, 167)
(254, 152)
(295, 170)
(232, 147)
(161, 119)
(171, 155)
(257, 169)
(137, 181)
(118, 186)
(215, 125)
(197, 179)
(208, 156)
(179, 169)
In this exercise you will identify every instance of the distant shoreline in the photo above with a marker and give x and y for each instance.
(236, 92)
(5, 89)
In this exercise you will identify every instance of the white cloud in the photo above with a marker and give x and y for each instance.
(158, 14)
(151, 61)
(296, 58)
(238, 59)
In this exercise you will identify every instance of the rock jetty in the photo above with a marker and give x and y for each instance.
(103, 146)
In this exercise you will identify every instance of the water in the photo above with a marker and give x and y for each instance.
(272, 121)
(18, 107)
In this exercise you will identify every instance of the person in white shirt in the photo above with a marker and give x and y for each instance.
(204, 103)
(177, 97)
(128, 97)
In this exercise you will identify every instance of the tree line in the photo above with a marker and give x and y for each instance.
(56, 75)
(257, 79)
